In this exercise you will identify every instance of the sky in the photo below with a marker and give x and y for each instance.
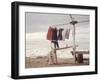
(40, 22)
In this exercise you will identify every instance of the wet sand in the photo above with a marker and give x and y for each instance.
(42, 61)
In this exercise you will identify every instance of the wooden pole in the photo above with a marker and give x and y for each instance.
(74, 47)
(55, 56)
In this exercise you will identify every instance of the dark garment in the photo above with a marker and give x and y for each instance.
(60, 34)
(54, 37)
(56, 45)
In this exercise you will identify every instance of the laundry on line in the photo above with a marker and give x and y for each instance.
(55, 34)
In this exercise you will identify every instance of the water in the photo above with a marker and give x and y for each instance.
(38, 45)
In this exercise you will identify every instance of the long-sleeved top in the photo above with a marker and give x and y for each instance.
(60, 34)
(52, 34)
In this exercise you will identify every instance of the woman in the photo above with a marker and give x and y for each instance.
(55, 38)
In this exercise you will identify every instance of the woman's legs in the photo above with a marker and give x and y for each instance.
(56, 45)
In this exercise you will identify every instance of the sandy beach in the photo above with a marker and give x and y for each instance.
(43, 62)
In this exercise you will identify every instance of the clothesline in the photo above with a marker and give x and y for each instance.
(54, 35)
(70, 23)
(60, 24)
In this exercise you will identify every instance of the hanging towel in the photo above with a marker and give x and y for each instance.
(67, 32)
(50, 33)
(63, 35)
